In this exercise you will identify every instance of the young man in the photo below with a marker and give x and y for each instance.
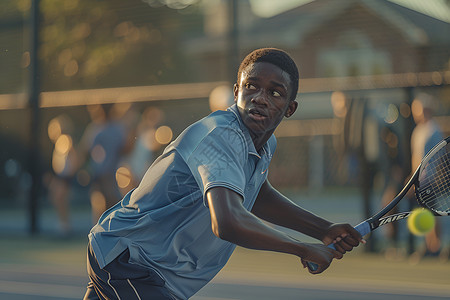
(207, 193)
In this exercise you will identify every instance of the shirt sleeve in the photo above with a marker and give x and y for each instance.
(219, 160)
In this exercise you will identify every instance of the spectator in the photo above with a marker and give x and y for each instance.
(101, 147)
(425, 136)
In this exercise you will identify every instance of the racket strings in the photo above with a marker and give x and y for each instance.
(434, 182)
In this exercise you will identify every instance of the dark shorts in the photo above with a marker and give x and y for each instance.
(122, 280)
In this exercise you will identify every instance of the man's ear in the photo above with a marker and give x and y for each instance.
(235, 92)
(291, 108)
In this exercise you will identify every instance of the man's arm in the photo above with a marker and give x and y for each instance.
(233, 223)
(275, 208)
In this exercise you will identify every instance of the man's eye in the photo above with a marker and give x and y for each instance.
(276, 94)
(250, 86)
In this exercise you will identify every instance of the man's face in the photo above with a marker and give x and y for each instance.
(262, 96)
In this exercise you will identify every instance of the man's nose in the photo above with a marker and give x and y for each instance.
(260, 98)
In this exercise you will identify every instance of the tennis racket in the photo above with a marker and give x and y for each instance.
(432, 188)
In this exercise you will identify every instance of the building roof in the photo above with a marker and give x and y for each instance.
(290, 27)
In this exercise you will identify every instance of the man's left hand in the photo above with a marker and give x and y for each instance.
(343, 236)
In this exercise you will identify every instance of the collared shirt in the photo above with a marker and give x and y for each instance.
(165, 222)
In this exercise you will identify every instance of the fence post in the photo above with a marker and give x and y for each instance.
(34, 91)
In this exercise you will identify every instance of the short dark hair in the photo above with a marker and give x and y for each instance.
(276, 57)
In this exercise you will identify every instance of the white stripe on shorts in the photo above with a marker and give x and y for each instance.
(109, 283)
(134, 289)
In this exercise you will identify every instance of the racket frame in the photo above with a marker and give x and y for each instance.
(379, 219)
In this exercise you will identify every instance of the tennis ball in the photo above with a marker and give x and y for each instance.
(421, 221)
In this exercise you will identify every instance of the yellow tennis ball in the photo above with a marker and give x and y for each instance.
(421, 221)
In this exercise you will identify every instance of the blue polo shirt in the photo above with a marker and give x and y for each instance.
(165, 222)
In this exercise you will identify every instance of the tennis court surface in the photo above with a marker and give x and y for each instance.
(51, 268)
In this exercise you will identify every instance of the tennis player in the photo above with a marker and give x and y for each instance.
(207, 193)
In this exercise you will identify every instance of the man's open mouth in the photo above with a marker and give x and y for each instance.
(257, 113)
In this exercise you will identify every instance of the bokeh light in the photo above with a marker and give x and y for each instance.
(26, 59)
(339, 104)
(123, 177)
(221, 98)
(98, 154)
(63, 144)
(54, 129)
(83, 178)
(163, 135)
(391, 114)
(98, 200)
(417, 109)
(405, 110)
(71, 68)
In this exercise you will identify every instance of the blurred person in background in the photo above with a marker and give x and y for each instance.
(393, 181)
(207, 193)
(64, 167)
(101, 147)
(425, 136)
(142, 144)
(141, 157)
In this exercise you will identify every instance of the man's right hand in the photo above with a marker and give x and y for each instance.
(319, 254)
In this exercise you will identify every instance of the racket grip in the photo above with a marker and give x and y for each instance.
(363, 228)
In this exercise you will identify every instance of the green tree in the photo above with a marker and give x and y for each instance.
(93, 44)
(88, 44)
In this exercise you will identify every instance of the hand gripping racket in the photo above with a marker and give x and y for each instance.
(432, 188)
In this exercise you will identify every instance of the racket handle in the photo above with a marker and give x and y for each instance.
(363, 228)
